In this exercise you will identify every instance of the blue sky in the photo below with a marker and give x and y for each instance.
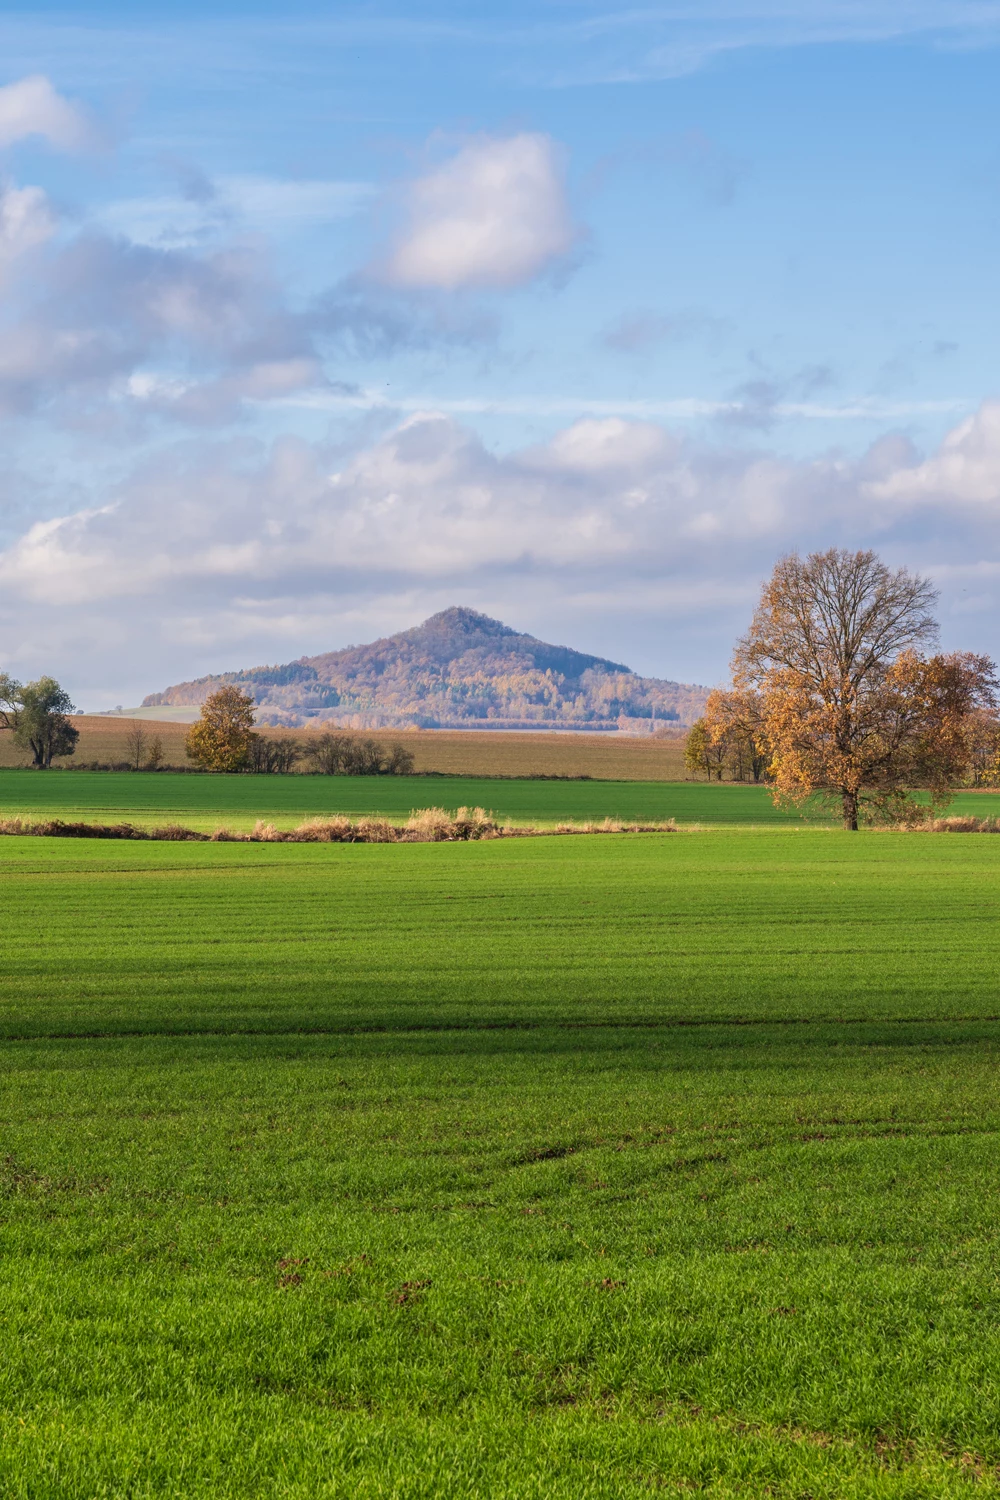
(320, 318)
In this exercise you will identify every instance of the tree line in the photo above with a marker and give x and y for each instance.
(833, 694)
(224, 739)
(36, 714)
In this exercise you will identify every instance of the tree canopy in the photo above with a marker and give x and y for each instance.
(733, 725)
(222, 739)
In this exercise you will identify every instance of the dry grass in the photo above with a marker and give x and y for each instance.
(428, 825)
(956, 825)
(605, 757)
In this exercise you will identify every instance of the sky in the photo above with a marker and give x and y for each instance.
(319, 318)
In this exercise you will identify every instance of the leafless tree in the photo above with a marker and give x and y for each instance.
(136, 745)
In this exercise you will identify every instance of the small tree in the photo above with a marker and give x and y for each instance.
(734, 722)
(702, 754)
(136, 741)
(849, 707)
(363, 758)
(984, 749)
(344, 755)
(328, 753)
(144, 751)
(398, 761)
(273, 755)
(222, 738)
(36, 715)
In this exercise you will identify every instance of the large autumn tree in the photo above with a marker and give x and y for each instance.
(849, 704)
(223, 737)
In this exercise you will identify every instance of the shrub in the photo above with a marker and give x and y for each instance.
(272, 756)
(429, 825)
(398, 761)
(433, 825)
(957, 825)
(344, 755)
(145, 751)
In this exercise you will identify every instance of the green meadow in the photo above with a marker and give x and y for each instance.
(571, 1167)
(205, 801)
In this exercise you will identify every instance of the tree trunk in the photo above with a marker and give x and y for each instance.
(850, 805)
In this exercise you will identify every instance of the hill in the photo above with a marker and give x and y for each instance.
(458, 669)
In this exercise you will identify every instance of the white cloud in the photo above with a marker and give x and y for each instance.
(270, 551)
(427, 501)
(26, 221)
(965, 469)
(32, 107)
(215, 399)
(211, 326)
(495, 215)
(605, 446)
(678, 408)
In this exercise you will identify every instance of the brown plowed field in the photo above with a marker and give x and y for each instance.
(606, 757)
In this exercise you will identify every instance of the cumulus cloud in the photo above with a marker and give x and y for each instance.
(495, 215)
(189, 331)
(98, 310)
(609, 446)
(428, 500)
(215, 399)
(965, 469)
(26, 221)
(32, 107)
(270, 550)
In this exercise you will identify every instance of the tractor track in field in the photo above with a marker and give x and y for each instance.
(680, 1023)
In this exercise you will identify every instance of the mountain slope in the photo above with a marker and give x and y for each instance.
(458, 668)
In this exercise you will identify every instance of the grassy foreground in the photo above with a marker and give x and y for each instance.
(573, 1168)
(205, 802)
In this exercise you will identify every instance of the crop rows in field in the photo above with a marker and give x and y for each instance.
(570, 1168)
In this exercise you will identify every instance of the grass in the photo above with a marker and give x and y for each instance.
(203, 802)
(558, 1168)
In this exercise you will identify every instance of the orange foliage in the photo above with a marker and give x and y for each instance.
(222, 737)
(848, 704)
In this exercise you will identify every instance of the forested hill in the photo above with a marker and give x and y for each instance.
(458, 668)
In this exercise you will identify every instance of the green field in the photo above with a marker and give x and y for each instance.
(593, 1167)
(203, 802)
